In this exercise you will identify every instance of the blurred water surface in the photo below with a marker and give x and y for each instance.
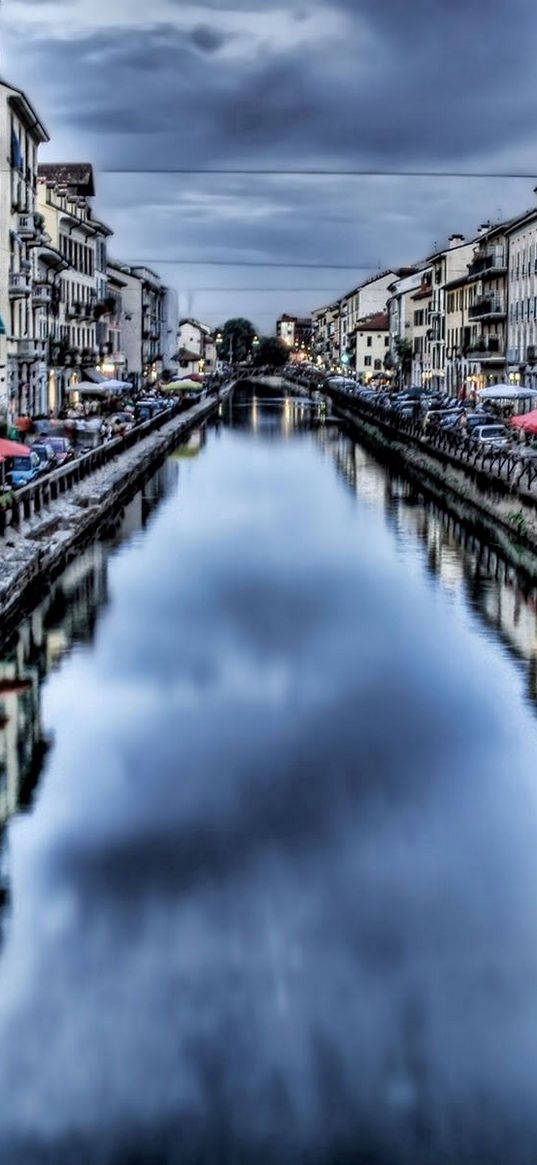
(269, 786)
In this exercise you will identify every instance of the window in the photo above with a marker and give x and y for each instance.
(367, 361)
(386, 341)
(378, 365)
(369, 341)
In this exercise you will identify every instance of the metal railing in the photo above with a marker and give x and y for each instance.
(33, 499)
(512, 471)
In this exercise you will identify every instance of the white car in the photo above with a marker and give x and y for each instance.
(494, 435)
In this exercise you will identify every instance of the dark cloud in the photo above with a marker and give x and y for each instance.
(207, 39)
(380, 84)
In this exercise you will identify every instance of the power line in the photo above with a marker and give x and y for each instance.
(253, 263)
(314, 173)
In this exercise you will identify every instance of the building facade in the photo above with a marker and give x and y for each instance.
(371, 343)
(23, 351)
(78, 336)
(521, 295)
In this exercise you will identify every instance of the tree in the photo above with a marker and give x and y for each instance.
(404, 358)
(236, 342)
(272, 352)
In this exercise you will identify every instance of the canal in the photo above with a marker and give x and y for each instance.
(268, 795)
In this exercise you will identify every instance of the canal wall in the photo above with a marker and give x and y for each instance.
(506, 514)
(45, 539)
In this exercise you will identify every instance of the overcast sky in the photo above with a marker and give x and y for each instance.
(335, 84)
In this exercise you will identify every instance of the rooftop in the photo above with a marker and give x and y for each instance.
(76, 176)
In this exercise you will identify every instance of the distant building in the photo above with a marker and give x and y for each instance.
(371, 340)
(296, 334)
(196, 348)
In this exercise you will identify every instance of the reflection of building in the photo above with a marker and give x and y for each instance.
(67, 616)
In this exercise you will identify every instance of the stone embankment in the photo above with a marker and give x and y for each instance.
(45, 537)
(503, 505)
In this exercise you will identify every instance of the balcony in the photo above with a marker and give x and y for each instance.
(487, 307)
(42, 294)
(27, 350)
(19, 285)
(486, 348)
(494, 263)
(26, 226)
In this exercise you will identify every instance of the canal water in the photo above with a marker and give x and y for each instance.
(268, 792)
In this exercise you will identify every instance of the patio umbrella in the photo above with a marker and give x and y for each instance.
(10, 449)
(13, 449)
(180, 386)
(527, 422)
(506, 392)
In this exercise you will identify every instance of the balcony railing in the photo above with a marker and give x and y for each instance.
(26, 225)
(27, 350)
(494, 263)
(487, 306)
(42, 294)
(19, 285)
(486, 346)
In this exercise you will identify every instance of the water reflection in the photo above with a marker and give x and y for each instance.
(504, 598)
(274, 902)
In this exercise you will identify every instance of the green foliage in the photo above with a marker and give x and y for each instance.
(237, 340)
(271, 352)
(518, 521)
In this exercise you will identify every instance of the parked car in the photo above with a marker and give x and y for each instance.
(62, 448)
(24, 470)
(46, 454)
(494, 435)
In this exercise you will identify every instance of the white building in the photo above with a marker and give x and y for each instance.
(447, 266)
(81, 303)
(371, 339)
(196, 348)
(403, 315)
(522, 301)
(23, 356)
(170, 318)
(144, 323)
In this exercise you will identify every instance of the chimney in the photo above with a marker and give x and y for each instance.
(482, 229)
(455, 241)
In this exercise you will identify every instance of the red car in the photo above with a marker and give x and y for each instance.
(63, 450)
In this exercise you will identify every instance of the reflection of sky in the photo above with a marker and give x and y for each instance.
(277, 894)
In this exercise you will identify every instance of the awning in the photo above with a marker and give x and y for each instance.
(12, 449)
(94, 375)
(528, 422)
(85, 388)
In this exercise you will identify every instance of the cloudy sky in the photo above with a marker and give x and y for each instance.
(385, 85)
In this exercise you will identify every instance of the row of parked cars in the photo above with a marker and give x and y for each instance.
(49, 450)
(44, 456)
(435, 412)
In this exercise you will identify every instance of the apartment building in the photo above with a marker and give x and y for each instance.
(23, 356)
(197, 350)
(446, 266)
(402, 313)
(521, 297)
(153, 295)
(80, 301)
(421, 301)
(295, 333)
(371, 340)
(326, 341)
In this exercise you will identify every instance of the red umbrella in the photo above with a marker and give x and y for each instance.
(527, 422)
(12, 449)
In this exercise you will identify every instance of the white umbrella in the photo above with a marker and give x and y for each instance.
(506, 392)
